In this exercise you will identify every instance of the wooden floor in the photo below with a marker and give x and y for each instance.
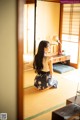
(39, 105)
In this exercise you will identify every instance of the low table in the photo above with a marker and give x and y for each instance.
(61, 58)
(68, 112)
(75, 99)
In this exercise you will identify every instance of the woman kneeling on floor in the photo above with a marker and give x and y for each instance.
(44, 67)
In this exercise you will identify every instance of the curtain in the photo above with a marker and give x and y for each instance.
(69, 1)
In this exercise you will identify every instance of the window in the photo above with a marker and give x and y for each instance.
(71, 30)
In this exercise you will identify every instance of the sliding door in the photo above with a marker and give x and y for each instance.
(47, 22)
(28, 32)
(71, 31)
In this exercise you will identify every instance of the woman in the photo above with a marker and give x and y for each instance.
(43, 67)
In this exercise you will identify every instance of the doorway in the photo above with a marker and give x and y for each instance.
(45, 27)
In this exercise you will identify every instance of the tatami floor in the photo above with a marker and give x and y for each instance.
(38, 105)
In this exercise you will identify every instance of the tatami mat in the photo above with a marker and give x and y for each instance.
(38, 105)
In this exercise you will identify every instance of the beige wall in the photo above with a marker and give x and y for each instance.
(8, 81)
(47, 21)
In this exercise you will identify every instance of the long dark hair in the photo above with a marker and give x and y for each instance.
(37, 64)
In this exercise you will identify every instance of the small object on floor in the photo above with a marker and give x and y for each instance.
(60, 68)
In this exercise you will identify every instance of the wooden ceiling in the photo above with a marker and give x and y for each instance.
(33, 1)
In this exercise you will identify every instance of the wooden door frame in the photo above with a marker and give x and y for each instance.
(20, 5)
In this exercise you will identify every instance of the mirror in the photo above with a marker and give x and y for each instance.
(47, 25)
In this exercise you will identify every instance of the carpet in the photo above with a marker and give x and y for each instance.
(38, 105)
